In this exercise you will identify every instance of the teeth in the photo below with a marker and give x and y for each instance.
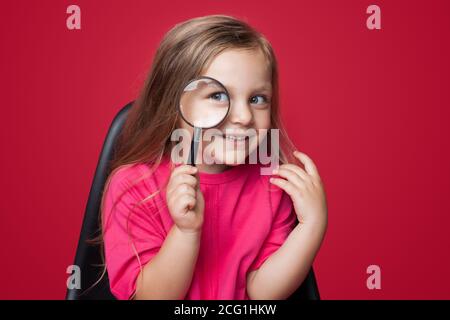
(234, 138)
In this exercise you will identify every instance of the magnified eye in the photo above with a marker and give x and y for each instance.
(219, 96)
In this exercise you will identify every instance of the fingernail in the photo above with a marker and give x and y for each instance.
(271, 180)
(275, 171)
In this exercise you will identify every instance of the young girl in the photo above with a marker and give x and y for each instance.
(214, 231)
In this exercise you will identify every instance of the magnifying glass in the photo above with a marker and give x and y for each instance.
(204, 103)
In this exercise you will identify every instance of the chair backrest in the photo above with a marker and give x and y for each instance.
(88, 257)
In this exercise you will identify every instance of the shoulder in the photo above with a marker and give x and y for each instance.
(139, 178)
(133, 187)
(123, 177)
(124, 174)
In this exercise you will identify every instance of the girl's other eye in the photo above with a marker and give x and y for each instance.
(263, 100)
(219, 96)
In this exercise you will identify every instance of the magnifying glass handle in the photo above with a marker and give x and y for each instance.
(194, 146)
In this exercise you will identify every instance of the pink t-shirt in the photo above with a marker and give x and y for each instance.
(246, 219)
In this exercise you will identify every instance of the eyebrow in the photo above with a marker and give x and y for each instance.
(260, 88)
(264, 88)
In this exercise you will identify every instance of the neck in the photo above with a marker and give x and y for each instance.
(212, 168)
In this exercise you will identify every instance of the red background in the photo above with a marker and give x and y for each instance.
(371, 107)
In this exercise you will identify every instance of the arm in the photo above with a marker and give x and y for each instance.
(156, 265)
(283, 272)
(169, 274)
(294, 259)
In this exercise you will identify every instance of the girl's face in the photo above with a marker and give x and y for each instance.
(247, 77)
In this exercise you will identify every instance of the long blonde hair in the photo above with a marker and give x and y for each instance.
(183, 54)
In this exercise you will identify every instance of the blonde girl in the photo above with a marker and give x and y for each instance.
(214, 231)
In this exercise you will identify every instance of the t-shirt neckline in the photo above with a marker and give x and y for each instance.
(228, 175)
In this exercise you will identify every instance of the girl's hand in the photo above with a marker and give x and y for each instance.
(305, 189)
(185, 200)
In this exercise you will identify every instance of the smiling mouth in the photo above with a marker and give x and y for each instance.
(239, 138)
(235, 138)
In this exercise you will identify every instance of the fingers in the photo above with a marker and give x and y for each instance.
(184, 169)
(296, 176)
(296, 169)
(291, 176)
(310, 167)
(185, 203)
(285, 185)
(184, 179)
(182, 175)
(181, 190)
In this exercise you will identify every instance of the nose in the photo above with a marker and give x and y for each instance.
(240, 113)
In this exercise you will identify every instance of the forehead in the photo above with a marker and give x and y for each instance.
(241, 69)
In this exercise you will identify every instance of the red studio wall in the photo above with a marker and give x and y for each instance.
(370, 107)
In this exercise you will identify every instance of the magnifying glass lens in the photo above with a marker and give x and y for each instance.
(204, 103)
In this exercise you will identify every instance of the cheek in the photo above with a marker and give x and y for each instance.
(262, 119)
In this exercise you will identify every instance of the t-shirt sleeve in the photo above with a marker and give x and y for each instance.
(283, 223)
(132, 234)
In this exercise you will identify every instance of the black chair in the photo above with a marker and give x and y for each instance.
(88, 257)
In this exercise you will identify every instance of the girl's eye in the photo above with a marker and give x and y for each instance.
(261, 101)
(219, 96)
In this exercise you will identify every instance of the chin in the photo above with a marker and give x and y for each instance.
(229, 154)
(231, 158)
